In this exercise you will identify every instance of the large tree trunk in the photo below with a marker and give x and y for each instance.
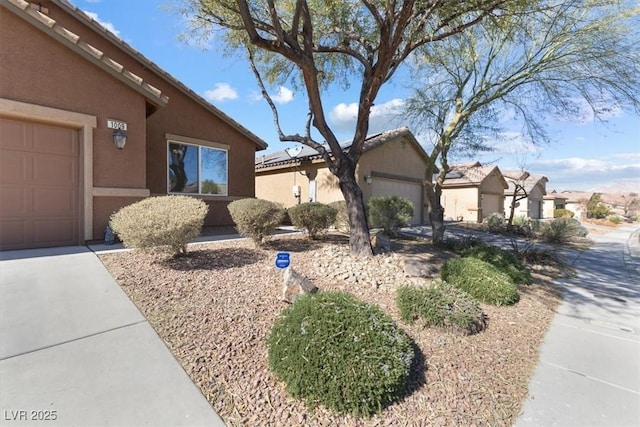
(436, 213)
(359, 238)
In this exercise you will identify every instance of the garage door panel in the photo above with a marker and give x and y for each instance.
(14, 233)
(409, 190)
(14, 135)
(55, 170)
(55, 140)
(49, 231)
(55, 201)
(15, 167)
(15, 201)
(39, 185)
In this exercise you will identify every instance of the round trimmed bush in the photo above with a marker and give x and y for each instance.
(442, 305)
(334, 350)
(256, 218)
(481, 280)
(165, 221)
(503, 259)
(314, 217)
(342, 215)
(389, 213)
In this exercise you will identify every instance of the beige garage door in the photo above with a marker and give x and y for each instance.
(408, 190)
(39, 185)
(492, 203)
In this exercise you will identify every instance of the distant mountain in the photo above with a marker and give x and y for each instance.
(619, 187)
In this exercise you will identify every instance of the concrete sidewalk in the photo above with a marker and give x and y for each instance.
(75, 351)
(588, 373)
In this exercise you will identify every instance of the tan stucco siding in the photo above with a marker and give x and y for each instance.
(277, 185)
(461, 203)
(394, 157)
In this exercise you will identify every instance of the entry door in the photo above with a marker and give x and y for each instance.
(39, 185)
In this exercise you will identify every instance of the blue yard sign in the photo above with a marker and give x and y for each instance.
(283, 259)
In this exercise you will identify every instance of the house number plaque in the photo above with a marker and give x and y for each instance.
(116, 124)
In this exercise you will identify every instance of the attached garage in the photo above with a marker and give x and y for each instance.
(492, 203)
(39, 185)
(407, 189)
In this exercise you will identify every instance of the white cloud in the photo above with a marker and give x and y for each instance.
(221, 92)
(383, 116)
(283, 96)
(578, 173)
(108, 25)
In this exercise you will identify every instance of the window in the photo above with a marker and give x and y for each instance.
(196, 169)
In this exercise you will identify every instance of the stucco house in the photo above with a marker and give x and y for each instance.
(472, 192)
(551, 202)
(577, 202)
(88, 125)
(535, 188)
(392, 163)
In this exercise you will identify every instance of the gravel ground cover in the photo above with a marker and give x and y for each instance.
(215, 307)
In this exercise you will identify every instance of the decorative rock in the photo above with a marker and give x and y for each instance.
(295, 284)
(380, 241)
(418, 267)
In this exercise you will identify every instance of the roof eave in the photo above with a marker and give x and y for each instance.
(75, 11)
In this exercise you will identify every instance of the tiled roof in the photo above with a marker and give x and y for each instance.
(576, 196)
(73, 41)
(463, 174)
(528, 183)
(308, 154)
(112, 38)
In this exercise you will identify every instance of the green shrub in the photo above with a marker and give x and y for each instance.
(256, 218)
(503, 259)
(459, 244)
(389, 213)
(441, 305)
(563, 213)
(334, 350)
(166, 221)
(342, 216)
(495, 223)
(521, 221)
(616, 219)
(481, 280)
(563, 230)
(313, 217)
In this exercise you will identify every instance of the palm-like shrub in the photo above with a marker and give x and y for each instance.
(481, 280)
(563, 230)
(168, 222)
(256, 218)
(334, 350)
(313, 217)
(441, 305)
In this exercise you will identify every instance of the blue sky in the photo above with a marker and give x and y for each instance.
(585, 155)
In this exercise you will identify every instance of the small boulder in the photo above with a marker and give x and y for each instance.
(380, 242)
(418, 267)
(295, 284)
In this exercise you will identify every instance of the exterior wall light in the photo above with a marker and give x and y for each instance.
(368, 179)
(119, 138)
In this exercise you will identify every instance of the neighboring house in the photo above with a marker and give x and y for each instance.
(551, 202)
(69, 90)
(472, 192)
(577, 202)
(534, 186)
(392, 164)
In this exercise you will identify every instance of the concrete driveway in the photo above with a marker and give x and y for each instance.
(589, 368)
(74, 350)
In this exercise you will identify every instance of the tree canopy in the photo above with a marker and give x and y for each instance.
(318, 42)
